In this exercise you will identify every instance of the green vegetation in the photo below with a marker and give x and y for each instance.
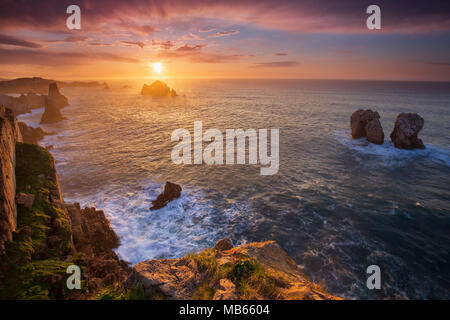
(31, 268)
(119, 293)
(251, 279)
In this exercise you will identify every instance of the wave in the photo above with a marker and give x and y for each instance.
(388, 154)
(187, 224)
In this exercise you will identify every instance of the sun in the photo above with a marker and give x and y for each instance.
(157, 66)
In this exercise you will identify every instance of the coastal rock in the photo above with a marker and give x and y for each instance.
(25, 199)
(226, 291)
(182, 278)
(223, 244)
(24, 103)
(171, 191)
(52, 113)
(366, 123)
(32, 100)
(374, 132)
(92, 233)
(30, 134)
(57, 99)
(9, 136)
(407, 127)
(158, 89)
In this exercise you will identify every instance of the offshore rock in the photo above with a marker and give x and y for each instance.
(171, 191)
(366, 123)
(407, 127)
(158, 89)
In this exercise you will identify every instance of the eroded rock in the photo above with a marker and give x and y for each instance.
(25, 199)
(171, 191)
(366, 123)
(158, 89)
(406, 129)
(223, 244)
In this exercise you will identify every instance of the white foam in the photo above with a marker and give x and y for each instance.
(185, 225)
(387, 154)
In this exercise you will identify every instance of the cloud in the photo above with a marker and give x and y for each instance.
(188, 48)
(163, 45)
(57, 58)
(280, 54)
(191, 36)
(135, 43)
(345, 16)
(275, 64)
(13, 41)
(68, 39)
(223, 34)
(206, 30)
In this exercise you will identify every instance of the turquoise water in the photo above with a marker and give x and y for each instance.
(336, 206)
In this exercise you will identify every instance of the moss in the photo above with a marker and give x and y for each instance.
(29, 269)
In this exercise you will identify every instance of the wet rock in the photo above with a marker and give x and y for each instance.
(25, 199)
(171, 191)
(158, 89)
(366, 123)
(407, 127)
(223, 244)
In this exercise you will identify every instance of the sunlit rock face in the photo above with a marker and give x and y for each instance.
(158, 89)
(9, 135)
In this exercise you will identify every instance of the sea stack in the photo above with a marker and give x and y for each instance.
(51, 113)
(407, 127)
(58, 100)
(53, 103)
(366, 123)
(171, 191)
(158, 89)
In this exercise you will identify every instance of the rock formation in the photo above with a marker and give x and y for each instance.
(52, 113)
(30, 134)
(366, 123)
(407, 127)
(223, 244)
(40, 85)
(171, 191)
(158, 89)
(9, 135)
(260, 270)
(56, 98)
(54, 235)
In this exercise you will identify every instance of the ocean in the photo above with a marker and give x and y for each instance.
(336, 206)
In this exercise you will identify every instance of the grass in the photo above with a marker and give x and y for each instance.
(251, 279)
(29, 268)
(119, 293)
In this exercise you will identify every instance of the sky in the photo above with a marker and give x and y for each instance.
(308, 39)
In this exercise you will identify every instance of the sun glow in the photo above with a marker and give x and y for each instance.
(157, 66)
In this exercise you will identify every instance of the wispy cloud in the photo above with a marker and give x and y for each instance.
(135, 43)
(223, 34)
(57, 58)
(280, 54)
(275, 64)
(206, 30)
(13, 41)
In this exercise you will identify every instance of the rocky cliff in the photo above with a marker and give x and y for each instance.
(51, 235)
(9, 135)
(260, 270)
